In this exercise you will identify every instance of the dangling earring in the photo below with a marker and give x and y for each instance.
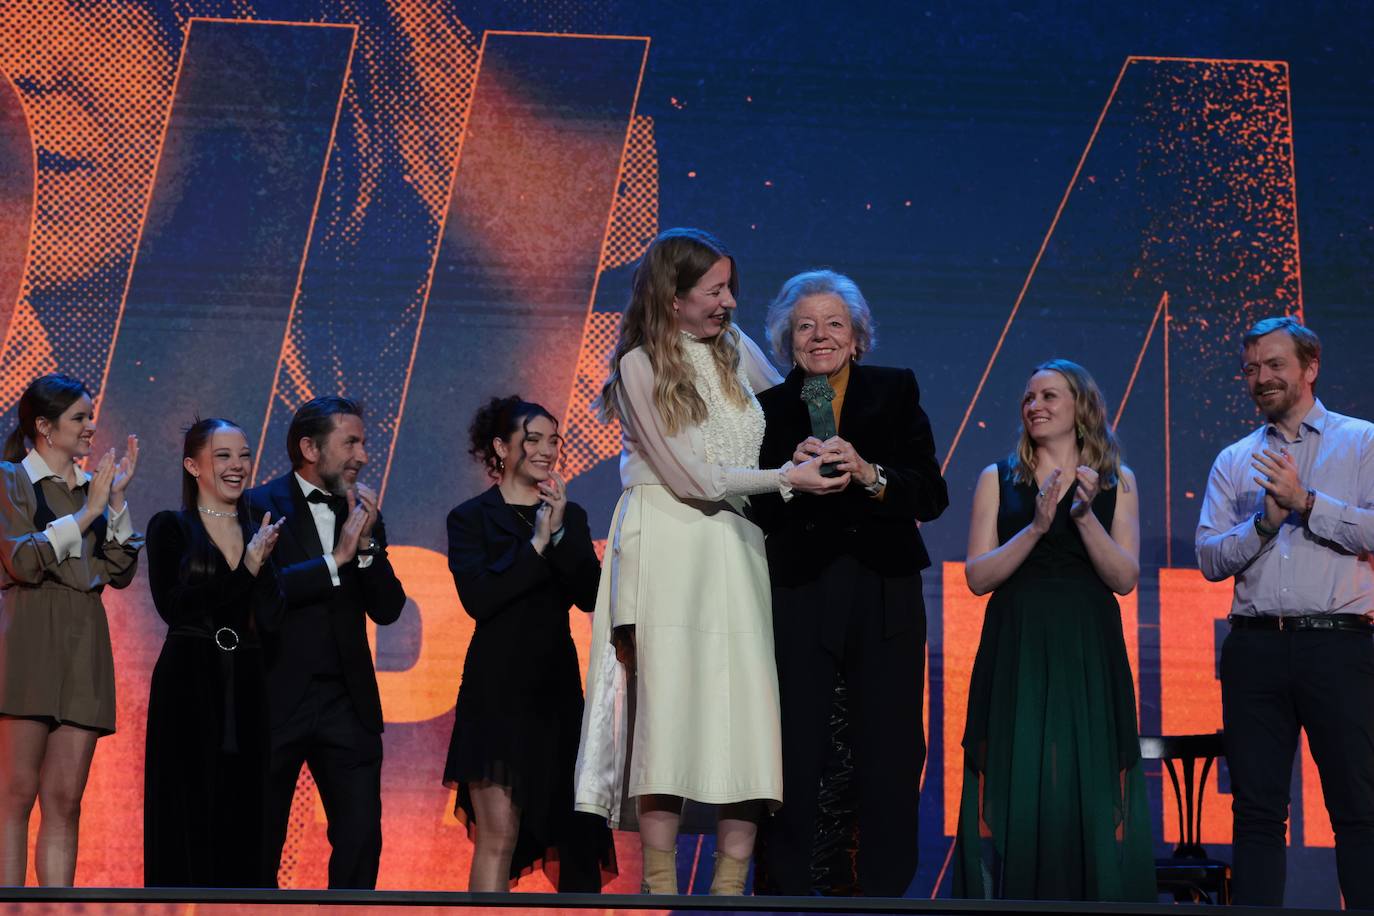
(1081, 430)
(501, 465)
(47, 437)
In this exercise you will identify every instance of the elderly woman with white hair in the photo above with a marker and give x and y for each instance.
(848, 613)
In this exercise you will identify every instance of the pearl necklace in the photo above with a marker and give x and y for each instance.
(215, 513)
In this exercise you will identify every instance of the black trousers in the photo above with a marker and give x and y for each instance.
(1273, 684)
(838, 625)
(346, 761)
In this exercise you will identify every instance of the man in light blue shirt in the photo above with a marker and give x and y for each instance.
(1289, 513)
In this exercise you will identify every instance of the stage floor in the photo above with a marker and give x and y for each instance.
(213, 902)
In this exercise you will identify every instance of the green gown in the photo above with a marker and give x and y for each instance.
(1054, 804)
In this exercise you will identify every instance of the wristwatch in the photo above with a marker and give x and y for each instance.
(877, 485)
(371, 550)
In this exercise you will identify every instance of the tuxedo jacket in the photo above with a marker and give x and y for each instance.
(324, 629)
(882, 418)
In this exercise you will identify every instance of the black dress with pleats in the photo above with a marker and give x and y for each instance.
(518, 716)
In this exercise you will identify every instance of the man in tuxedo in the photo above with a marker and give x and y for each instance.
(322, 689)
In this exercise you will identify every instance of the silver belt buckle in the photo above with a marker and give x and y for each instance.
(227, 639)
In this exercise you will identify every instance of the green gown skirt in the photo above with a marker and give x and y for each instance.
(1053, 804)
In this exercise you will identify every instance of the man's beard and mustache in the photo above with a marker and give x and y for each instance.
(334, 480)
(1287, 398)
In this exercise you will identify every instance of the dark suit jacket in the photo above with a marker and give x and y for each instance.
(497, 570)
(318, 610)
(883, 419)
(521, 658)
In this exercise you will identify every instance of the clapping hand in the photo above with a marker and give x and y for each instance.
(367, 496)
(260, 547)
(98, 491)
(1046, 503)
(553, 493)
(123, 473)
(1086, 487)
(1278, 475)
(347, 547)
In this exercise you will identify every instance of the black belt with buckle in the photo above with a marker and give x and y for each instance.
(225, 638)
(1357, 622)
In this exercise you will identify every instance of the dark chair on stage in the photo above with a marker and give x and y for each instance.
(1190, 874)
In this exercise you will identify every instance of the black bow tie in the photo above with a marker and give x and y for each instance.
(337, 503)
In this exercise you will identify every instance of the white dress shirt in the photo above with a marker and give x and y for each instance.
(1321, 567)
(324, 526)
(65, 533)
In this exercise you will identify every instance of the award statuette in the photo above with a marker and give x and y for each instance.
(817, 394)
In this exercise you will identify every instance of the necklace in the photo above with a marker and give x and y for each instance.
(215, 513)
(515, 510)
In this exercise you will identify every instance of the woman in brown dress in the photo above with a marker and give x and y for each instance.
(64, 535)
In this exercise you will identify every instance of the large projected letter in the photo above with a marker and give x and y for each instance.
(18, 192)
(1190, 691)
(512, 284)
(1179, 223)
(227, 226)
(247, 143)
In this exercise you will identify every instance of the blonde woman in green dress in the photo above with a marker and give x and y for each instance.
(1054, 801)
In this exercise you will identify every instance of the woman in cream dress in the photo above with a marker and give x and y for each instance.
(682, 692)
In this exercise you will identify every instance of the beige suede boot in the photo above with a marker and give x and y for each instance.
(660, 871)
(729, 877)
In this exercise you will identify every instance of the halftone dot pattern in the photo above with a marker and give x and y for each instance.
(297, 869)
(26, 355)
(97, 121)
(383, 204)
(293, 381)
(634, 222)
(633, 225)
(589, 441)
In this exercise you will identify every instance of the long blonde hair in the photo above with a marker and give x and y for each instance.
(675, 261)
(1098, 446)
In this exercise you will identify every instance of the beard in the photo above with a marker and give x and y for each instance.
(333, 479)
(1276, 409)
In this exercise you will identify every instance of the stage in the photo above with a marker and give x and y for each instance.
(227, 208)
(211, 902)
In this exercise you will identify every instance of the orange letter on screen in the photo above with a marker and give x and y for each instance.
(1189, 691)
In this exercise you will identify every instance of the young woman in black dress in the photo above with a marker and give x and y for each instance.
(521, 556)
(214, 584)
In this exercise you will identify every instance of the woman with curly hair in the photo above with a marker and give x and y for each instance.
(691, 708)
(1054, 797)
(521, 556)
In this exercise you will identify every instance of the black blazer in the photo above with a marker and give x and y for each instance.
(521, 656)
(496, 569)
(883, 419)
(316, 608)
